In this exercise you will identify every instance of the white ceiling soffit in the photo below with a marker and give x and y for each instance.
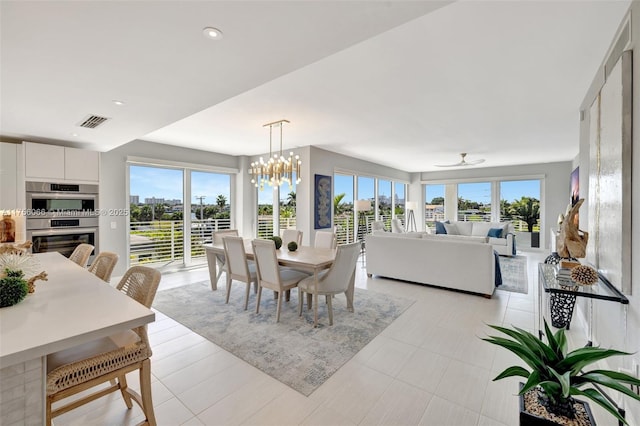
(405, 84)
(64, 60)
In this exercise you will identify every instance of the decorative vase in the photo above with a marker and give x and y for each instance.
(533, 419)
(7, 229)
(561, 304)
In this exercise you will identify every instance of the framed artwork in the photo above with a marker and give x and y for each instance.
(575, 186)
(609, 247)
(322, 202)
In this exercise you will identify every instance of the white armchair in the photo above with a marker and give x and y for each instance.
(397, 226)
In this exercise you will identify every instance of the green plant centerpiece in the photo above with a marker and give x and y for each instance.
(292, 246)
(557, 375)
(278, 241)
(13, 288)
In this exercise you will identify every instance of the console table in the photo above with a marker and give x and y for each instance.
(550, 286)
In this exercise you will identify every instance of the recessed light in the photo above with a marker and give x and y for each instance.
(75, 135)
(117, 102)
(212, 33)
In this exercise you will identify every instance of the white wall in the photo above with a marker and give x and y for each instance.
(114, 191)
(554, 191)
(615, 325)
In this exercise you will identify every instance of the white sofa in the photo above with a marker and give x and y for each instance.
(505, 245)
(451, 263)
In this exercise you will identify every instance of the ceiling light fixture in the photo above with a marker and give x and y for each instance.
(117, 102)
(278, 169)
(212, 33)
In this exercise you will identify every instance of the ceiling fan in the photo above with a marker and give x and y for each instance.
(462, 162)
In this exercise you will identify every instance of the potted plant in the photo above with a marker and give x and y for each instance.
(556, 376)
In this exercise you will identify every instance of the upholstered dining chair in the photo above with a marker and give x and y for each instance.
(289, 235)
(397, 227)
(335, 280)
(270, 275)
(220, 259)
(325, 239)
(81, 254)
(109, 359)
(102, 266)
(237, 266)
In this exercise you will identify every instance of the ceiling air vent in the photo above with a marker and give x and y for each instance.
(93, 121)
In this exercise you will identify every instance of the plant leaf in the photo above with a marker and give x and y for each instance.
(545, 351)
(552, 389)
(564, 380)
(519, 349)
(553, 341)
(610, 379)
(513, 371)
(532, 382)
(597, 397)
(577, 359)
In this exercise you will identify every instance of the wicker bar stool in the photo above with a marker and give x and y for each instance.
(81, 254)
(103, 265)
(108, 359)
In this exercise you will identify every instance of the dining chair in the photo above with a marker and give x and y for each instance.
(340, 278)
(81, 254)
(109, 359)
(102, 266)
(270, 275)
(325, 239)
(220, 259)
(237, 266)
(289, 235)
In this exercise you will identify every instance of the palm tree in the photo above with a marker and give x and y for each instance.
(221, 201)
(526, 209)
(291, 199)
(337, 208)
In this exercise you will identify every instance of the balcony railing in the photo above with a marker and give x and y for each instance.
(160, 243)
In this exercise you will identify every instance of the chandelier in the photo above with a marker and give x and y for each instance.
(277, 170)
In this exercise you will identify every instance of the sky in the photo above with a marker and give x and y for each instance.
(147, 182)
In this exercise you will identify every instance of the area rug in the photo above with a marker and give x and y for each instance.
(292, 351)
(514, 274)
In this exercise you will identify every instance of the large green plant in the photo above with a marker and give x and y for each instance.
(526, 209)
(558, 372)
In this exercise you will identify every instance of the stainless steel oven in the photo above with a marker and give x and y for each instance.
(50, 200)
(62, 235)
(60, 216)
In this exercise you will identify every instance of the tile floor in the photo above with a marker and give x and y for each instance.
(429, 367)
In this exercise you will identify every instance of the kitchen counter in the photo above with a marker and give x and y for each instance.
(71, 308)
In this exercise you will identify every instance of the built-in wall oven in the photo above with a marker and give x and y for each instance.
(60, 216)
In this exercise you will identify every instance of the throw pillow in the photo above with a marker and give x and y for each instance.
(451, 228)
(495, 233)
(440, 229)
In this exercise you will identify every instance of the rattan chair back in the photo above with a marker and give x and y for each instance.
(103, 265)
(81, 254)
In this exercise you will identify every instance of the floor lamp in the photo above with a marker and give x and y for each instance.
(410, 206)
(362, 207)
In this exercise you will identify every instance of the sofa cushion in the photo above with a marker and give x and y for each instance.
(460, 238)
(451, 228)
(465, 228)
(440, 229)
(498, 241)
(495, 233)
(481, 229)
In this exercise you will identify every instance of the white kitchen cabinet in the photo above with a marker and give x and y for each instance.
(52, 163)
(11, 183)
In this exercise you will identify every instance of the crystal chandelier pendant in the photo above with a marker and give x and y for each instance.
(278, 170)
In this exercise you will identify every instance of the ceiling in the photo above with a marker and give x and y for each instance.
(407, 84)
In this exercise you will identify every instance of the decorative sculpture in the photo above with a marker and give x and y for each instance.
(571, 241)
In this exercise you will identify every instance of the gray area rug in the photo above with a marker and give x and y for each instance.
(514, 274)
(292, 351)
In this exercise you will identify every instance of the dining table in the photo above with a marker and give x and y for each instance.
(305, 258)
(71, 308)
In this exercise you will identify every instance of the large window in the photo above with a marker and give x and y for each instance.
(343, 218)
(520, 203)
(434, 205)
(162, 231)
(385, 212)
(474, 202)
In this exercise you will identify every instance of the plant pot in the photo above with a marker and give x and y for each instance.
(535, 239)
(530, 419)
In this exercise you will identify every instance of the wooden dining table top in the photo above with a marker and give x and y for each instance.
(304, 257)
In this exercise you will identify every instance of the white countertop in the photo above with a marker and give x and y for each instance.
(73, 307)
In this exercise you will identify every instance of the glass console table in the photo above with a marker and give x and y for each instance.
(560, 296)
